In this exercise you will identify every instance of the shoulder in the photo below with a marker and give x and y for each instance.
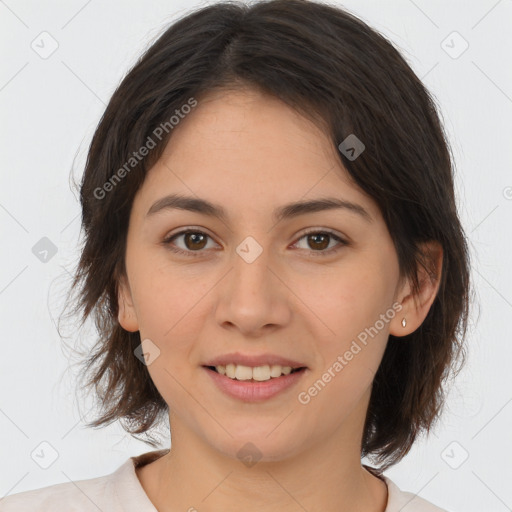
(82, 495)
(117, 491)
(404, 501)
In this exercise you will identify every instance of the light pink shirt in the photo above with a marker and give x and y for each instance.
(121, 491)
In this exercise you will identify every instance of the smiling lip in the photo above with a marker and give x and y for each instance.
(251, 390)
(253, 360)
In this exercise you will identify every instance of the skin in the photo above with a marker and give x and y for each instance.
(251, 153)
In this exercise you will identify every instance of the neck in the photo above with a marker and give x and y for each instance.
(327, 476)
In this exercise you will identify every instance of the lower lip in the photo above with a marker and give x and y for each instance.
(254, 391)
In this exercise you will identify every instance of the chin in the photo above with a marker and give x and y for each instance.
(264, 444)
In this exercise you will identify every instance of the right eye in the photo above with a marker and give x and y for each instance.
(194, 241)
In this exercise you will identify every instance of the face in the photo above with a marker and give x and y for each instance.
(308, 287)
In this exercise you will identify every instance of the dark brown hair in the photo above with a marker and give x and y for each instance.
(333, 68)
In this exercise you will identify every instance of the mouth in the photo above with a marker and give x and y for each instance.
(254, 384)
(254, 373)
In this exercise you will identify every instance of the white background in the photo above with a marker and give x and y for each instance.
(49, 109)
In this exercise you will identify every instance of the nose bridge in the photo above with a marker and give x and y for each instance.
(251, 273)
(252, 296)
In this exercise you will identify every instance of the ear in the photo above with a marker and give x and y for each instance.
(415, 307)
(127, 317)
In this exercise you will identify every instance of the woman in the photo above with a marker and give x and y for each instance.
(274, 262)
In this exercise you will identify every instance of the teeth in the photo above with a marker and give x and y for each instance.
(230, 370)
(243, 373)
(260, 373)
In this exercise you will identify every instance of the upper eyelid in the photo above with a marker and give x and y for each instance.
(184, 231)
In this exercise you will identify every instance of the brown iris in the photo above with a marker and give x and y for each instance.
(316, 237)
(198, 240)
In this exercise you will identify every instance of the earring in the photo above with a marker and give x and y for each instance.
(404, 322)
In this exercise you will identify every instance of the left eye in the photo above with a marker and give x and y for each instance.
(319, 241)
(195, 241)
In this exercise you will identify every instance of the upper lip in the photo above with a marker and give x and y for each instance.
(253, 360)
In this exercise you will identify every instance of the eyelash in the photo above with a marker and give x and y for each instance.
(168, 242)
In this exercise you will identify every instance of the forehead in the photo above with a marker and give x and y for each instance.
(248, 149)
(247, 123)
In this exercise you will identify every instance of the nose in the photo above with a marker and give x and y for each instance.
(253, 297)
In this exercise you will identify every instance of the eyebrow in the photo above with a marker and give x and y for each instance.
(287, 211)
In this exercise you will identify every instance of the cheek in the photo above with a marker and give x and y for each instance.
(170, 315)
(166, 297)
(348, 364)
(346, 300)
(351, 318)
(172, 309)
